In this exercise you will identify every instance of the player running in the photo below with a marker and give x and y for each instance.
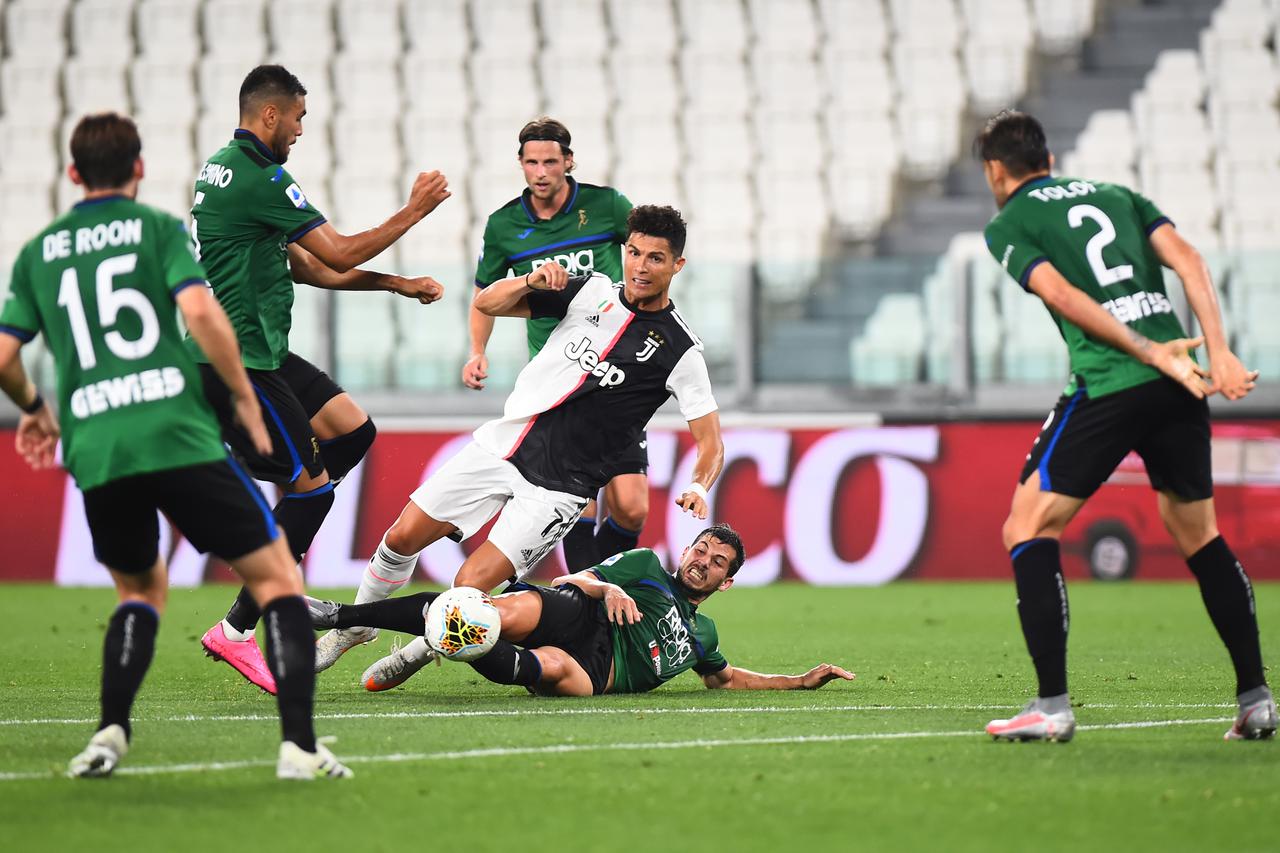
(581, 227)
(1092, 252)
(625, 626)
(618, 352)
(101, 283)
(257, 234)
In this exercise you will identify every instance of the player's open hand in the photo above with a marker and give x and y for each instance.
(822, 673)
(1229, 376)
(37, 438)
(423, 288)
(429, 189)
(693, 502)
(475, 371)
(249, 416)
(550, 276)
(1173, 359)
(620, 607)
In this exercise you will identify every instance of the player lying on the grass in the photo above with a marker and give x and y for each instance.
(1093, 253)
(618, 352)
(625, 626)
(101, 283)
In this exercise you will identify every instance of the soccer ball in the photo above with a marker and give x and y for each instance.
(463, 624)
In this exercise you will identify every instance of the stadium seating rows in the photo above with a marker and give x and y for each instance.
(1202, 139)
(772, 123)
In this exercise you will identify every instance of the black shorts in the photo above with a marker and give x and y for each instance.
(634, 460)
(1084, 440)
(576, 623)
(291, 395)
(215, 505)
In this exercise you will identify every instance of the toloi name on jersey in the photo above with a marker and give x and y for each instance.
(117, 232)
(215, 174)
(143, 387)
(589, 360)
(583, 260)
(1075, 189)
(1135, 306)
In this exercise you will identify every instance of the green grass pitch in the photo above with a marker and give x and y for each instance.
(893, 761)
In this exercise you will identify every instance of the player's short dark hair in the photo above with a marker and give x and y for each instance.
(267, 84)
(659, 221)
(1015, 139)
(728, 536)
(104, 147)
(546, 129)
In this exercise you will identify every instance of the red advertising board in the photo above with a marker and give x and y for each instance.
(855, 506)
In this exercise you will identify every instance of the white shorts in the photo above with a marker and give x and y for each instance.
(476, 485)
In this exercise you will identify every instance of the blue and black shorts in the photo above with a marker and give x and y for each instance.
(1084, 440)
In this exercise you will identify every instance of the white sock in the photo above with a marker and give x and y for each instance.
(386, 573)
(235, 635)
(417, 650)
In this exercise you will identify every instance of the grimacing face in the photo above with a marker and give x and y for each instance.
(704, 566)
(545, 167)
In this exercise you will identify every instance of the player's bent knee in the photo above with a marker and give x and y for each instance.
(631, 513)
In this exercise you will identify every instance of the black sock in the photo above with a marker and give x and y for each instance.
(405, 613)
(291, 654)
(1043, 610)
(1228, 596)
(244, 613)
(509, 664)
(612, 538)
(343, 453)
(300, 515)
(127, 650)
(580, 545)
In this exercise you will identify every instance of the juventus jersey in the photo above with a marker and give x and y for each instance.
(591, 390)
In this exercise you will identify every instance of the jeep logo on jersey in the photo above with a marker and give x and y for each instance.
(589, 360)
(294, 192)
(583, 260)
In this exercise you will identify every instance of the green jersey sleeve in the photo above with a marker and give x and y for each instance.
(711, 661)
(282, 205)
(1015, 251)
(19, 316)
(178, 257)
(630, 567)
(621, 210)
(1148, 214)
(492, 265)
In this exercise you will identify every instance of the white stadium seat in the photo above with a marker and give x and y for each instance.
(724, 201)
(716, 83)
(30, 89)
(574, 84)
(218, 79)
(367, 87)
(861, 200)
(716, 27)
(438, 28)
(930, 136)
(649, 85)
(784, 27)
(507, 28)
(643, 186)
(27, 149)
(102, 28)
(780, 136)
(370, 27)
(503, 83)
(632, 22)
(164, 85)
(168, 28)
(167, 150)
(788, 84)
(94, 84)
(996, 75)
(431, 144)
(435, 86)
(1061, 25)
(575, 27)
(36, 28)
(368, 149)
(859, 84)
(855, 27)
(301, 25)
(717, 144)
(234, 29)
(651, 144)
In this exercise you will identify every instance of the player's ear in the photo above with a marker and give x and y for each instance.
(679, 264)
(74, 174)
(728, 582)
(1052, 161)
(139, 170)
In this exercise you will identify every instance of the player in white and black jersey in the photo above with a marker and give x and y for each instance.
(619, 351)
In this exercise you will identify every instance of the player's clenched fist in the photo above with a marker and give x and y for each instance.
(429, 189)
(548, 277)
(423, 288)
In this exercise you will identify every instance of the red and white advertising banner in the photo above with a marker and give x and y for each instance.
(855, 506)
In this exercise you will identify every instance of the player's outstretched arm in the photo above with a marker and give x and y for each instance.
(1226, 372)
(707, 468)
(306, 268)
(736, 678)
(211, 329)
(1172, 358)
(343, 252)
(509, 297)
(37, 437)
(620, 607)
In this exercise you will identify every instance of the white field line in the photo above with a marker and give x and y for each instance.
(566, 748)
(574, 712)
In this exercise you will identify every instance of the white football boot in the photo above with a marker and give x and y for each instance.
(399, 666)
(101, 756)
(1035, 722)
(297, 763)
(338, 642)
(1256, 721)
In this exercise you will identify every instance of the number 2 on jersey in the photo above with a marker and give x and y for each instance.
(1093, 249)
(110, 302)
